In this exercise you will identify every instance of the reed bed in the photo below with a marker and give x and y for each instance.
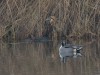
(21, 19)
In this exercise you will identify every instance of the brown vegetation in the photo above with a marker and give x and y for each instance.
(21, 19)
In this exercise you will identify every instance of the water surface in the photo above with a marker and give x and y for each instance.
(42, 58)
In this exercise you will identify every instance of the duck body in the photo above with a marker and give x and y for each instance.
(65, 51)
(68, 50)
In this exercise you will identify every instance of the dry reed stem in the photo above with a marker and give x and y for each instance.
(73, 17)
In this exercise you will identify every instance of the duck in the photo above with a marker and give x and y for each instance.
(69, 50)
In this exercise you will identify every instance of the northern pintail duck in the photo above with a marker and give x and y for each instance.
(69, 50)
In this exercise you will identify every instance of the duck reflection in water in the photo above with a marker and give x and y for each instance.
(69, 50)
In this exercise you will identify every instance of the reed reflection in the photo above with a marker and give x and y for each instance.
(43, 59)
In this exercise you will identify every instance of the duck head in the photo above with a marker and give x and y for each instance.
(63, 43)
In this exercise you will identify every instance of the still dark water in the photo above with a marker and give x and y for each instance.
(42, 58)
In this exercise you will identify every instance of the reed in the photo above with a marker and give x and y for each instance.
(24, 18)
